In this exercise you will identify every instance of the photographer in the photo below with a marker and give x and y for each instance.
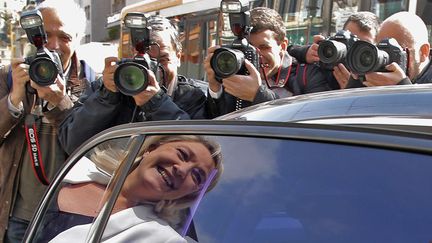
(411, 33)
(279, 74)
(103, 106)
(364, 25)
(34, 113)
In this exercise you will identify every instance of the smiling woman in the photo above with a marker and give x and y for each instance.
(167, 177)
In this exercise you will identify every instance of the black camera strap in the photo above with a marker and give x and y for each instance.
(34, 149)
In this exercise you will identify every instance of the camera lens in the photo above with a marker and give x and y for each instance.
(328, 51)
(331, 51)
(226, 62)
(364, 57)
(131, 78)
(43, 71)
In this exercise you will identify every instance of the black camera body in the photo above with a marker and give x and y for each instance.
(230, 59)
(45, 65)
(334, 49)
(131, 76)
(365, 57)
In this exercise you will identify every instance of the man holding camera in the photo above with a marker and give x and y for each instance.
(411, 33)
(278, 74)
(31, 111)
(363, 25)
(105, 105)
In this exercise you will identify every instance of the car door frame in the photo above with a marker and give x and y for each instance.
(359, 136)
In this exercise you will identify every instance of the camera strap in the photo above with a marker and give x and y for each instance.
(34, 149)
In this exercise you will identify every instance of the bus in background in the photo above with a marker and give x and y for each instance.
(200, 28)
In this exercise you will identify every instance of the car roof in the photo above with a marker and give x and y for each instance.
(397, 100)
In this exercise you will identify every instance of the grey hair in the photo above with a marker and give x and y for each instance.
(366, 21)
(162, 24)
(70, 13)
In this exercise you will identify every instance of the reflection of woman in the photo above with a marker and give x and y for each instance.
(165, 179)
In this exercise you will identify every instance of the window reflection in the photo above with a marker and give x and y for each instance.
(293, 191)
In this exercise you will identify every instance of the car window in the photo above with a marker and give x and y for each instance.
(275, 190)
(77, 200)
(268, 190)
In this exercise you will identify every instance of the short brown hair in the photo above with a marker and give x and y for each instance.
(262, 19)
(366, 21)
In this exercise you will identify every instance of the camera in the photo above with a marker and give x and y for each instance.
(45, 65)
(334, 49)
(131, 76)
(230, 59)
(365, 57)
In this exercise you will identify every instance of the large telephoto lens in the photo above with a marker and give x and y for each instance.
(43, 71)
(226, 62)
(131, 78)
(332, 52)
(364, 57)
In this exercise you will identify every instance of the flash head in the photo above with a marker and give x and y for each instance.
(135, 20)
(139, 31)
(32, 22)
(234, 6)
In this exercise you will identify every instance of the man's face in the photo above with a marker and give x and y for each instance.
(392, 30)
(60, 38)
(362, 35)
(270, 50)
(168, 57)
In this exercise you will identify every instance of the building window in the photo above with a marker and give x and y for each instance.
(87, 39)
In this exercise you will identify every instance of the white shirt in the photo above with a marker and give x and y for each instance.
(137, 224)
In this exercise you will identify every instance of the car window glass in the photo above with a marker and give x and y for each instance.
(271, 190)
(276, 190)
(78, 198)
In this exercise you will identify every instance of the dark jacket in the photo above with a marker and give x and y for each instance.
(14, 157)
(293, 78)
(100, 109)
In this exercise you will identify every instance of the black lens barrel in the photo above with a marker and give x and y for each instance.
(364, 57)
(226, 62)
(131, 78)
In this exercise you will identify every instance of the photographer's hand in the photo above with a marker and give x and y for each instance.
(53, 93)
(214, 85)
(152, 89)
(393, 77)
(312, 53)
(108, 73)
(20, 78)
(244, 87)
(342, 75)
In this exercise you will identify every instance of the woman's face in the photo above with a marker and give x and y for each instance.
(172, 171)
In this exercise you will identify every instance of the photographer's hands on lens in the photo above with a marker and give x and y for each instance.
(393, 77)
(214, 85)
(244, 87)
(142, 97)
(152, 89)
(53, 93)
(108, 73)
(20, 78)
